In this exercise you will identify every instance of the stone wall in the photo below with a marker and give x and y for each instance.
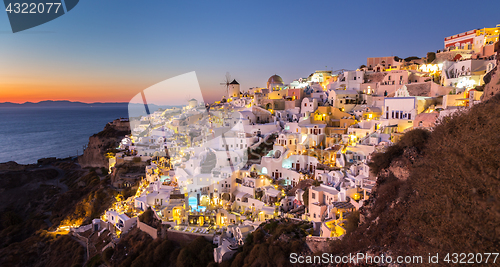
(318, 244)
(147, 229)
(186, 237)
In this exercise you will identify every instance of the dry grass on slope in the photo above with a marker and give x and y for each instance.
(450, 199)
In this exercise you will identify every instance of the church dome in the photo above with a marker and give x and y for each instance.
(276, 79)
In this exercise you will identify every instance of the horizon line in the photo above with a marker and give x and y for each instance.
(65, 100)
(48, 100)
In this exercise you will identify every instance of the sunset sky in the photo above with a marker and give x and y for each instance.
(110, 50)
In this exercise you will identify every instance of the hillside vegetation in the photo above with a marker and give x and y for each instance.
(437, 191)
(271, 244)
(139, 249)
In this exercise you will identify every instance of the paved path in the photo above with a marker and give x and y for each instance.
(84, 245)
(56, 181)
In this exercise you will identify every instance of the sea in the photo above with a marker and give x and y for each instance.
(30, 133)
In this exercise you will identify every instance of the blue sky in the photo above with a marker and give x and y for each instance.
(109, 50)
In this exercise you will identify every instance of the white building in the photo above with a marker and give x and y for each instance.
(466, 73)
(348, 80)
(121, 221)
(308, 105)
(403, 107)
(343, 99)
(225, 251)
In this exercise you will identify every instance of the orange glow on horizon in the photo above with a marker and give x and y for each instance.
(86, 93)
(22, 92)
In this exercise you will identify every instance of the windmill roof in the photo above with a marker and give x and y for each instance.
(234, 82)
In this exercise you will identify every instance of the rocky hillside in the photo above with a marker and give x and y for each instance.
(100, 143)
(35, 200)
(436, 192)
(139, 249)
(271, 244)
(492, 79)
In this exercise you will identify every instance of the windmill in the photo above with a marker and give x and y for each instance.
(227, 82)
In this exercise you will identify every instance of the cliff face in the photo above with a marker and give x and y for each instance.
(492, 80)
(95, 154)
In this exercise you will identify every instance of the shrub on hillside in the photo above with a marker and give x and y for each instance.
(416, 138)
(198, 253)
(147, 217)
(352, 222)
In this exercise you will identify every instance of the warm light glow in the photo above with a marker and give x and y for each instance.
(431, 68)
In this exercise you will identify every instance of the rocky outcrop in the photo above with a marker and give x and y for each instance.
(12, 166)
(128, 174)
(492, 80)
(99, 144)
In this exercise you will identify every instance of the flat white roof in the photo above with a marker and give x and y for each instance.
(124, 217)
(268, 210)
(327, 189)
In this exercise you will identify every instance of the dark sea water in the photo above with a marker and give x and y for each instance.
(30, 133)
